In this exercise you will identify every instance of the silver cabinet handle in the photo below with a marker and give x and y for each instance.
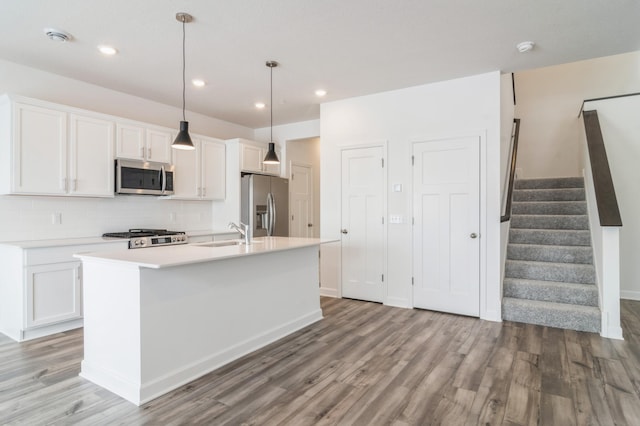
(344, 231)
(473, 235)
(149, 153)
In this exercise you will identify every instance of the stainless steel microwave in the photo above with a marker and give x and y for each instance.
(143, 177)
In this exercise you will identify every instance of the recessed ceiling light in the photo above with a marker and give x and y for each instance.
(525, 46)
(57, 35)
(260, 105)
(107, 50)
(198, 82)
(321, 92)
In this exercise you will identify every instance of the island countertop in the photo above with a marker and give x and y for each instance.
(178, 255)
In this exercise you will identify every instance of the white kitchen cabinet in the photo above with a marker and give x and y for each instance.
(47, 151)
(137, 141)
(91, 171)
(53, 293)
(41, 287)
(200, 173)
(251, 156)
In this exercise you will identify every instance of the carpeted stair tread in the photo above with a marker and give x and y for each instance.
(534, 221)
(564, 237)
(550, 271)
(566, 182)
(550, 253)
(549, 207)
(564, 194)
(551, 314)
(551, 291)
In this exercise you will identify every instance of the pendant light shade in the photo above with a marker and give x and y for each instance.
(271, 157)
(183, 140)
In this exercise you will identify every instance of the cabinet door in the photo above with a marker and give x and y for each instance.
(91, 157)
(186, 178)
(159, 145)
(39, 151)
(213, 170)
(251, 158)
(53, 293)
(130, 141)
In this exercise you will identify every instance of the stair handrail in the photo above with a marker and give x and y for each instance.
(606, 201)
(512, 171)
(604, 99)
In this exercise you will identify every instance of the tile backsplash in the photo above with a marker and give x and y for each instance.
(36, 218)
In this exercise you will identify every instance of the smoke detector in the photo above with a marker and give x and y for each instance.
(525, 46)
(57, 35)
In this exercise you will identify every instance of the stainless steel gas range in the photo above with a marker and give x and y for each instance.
(142, 238)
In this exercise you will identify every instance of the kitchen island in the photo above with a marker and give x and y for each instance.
(157, 318)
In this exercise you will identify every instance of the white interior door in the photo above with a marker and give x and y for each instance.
(446, 203)
(301, 201)
(363, 223)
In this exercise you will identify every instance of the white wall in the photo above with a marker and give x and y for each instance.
(548, 100)
(507, 114)
(463, 106)
(23, 218)
(620, 126)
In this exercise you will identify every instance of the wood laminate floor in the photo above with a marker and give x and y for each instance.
(363, 364)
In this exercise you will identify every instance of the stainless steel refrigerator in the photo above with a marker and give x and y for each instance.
(265, 205)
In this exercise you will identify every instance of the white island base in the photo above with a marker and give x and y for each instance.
(149, 330)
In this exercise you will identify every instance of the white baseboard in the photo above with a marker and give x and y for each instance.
(630, 294)
(398, 302)
(329, 292)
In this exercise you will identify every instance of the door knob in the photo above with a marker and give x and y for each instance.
(473, 235)
(309, 225)
(344, 231)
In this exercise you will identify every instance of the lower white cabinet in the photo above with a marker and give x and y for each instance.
(41, 288)
(53, 293)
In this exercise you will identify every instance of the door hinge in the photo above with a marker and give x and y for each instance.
(413, 160)
(382, 277)
(412, 281)
(291, 217)
(382, 160)
(291, 176)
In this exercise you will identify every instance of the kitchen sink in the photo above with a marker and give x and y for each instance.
(224, 243)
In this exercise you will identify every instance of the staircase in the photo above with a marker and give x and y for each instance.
(549, 274)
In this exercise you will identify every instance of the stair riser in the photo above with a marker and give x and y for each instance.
(571, 182)
(549, 207)
(558, 254)
(548, 195)
(568, 273)
(552, 318)
(580, 222)
(562, 238)
(576, 294)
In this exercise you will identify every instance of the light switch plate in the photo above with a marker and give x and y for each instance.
(397, 187)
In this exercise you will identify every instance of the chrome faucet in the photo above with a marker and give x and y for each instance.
(243, 230)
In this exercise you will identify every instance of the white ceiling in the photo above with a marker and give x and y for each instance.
(348, 47)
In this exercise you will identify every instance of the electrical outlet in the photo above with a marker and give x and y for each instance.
(56, 218)
(172, 217)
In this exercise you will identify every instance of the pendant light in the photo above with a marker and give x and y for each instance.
(271, 157)
(183, 140)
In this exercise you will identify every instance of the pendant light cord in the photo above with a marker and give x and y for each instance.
(271, 106)
(184, 60)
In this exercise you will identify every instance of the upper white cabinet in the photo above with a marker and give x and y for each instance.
(200, 173)
(47, 151)
(138, 142)
(91, 157)
(251, 156)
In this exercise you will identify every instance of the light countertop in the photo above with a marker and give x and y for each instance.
(61, 242)
(178, 255)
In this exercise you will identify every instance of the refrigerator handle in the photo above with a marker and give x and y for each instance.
(271, 210)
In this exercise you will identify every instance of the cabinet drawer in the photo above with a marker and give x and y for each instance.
(45, 255)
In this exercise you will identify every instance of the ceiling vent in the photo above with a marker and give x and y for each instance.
(57, 35)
